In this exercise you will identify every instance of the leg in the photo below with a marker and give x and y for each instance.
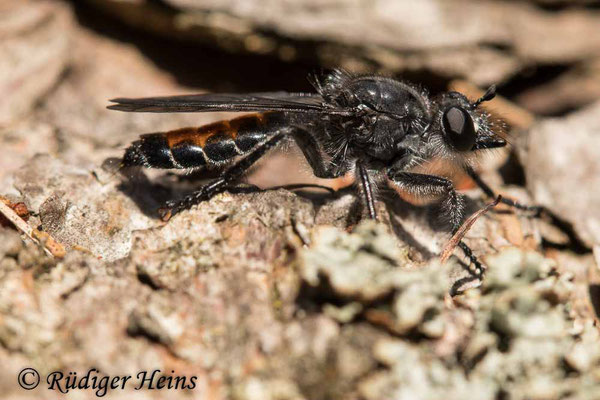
(367, 189)
(433, 186)
(314, 155)
(250, 188)
(490, 193)
(469, 253)
(294, 186)
(220, 184)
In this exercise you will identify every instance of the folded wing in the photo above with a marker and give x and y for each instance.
(273, 101)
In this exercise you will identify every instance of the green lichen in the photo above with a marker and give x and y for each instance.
(513, 337)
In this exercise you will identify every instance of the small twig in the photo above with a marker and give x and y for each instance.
(461, 232)
(51, 246)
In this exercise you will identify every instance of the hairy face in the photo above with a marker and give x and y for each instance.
(459, 128)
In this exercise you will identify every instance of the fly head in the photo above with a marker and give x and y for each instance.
(460, 127)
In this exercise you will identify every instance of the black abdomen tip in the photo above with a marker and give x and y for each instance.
(151, 151)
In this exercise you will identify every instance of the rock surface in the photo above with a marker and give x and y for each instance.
(34, 41)
(484, 41)
(563, 169)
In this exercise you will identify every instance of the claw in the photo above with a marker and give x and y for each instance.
(165, 213)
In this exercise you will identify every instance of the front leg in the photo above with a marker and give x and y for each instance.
(432, 187)
(436, 187)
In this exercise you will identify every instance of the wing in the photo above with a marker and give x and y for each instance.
(273, 101)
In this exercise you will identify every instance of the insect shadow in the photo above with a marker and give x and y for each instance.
(149, 194)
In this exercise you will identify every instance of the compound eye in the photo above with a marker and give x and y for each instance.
(459, 128)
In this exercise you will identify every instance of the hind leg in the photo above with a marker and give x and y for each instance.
(220, 184)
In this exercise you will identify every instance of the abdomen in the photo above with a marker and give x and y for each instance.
(211, 144)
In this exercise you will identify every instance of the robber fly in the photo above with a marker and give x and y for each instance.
(379, 128)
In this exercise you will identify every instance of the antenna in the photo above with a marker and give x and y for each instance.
(487, 96)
